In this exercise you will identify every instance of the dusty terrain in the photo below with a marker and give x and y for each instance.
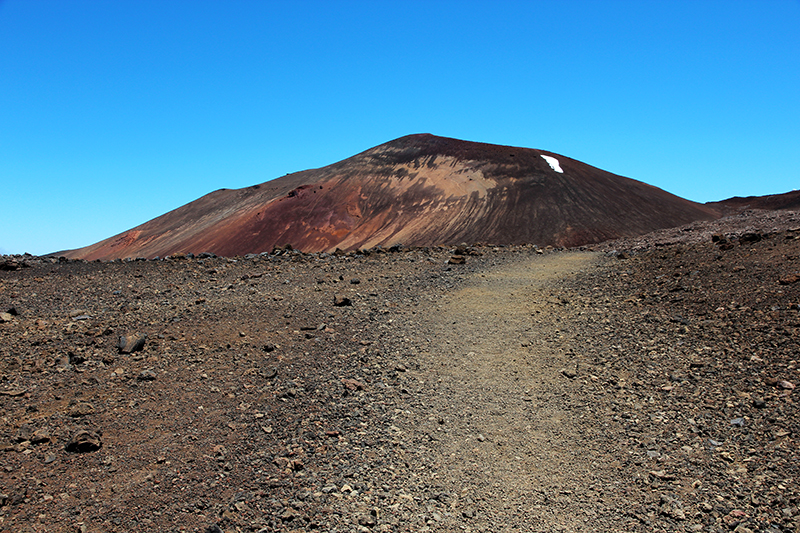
(647, 385)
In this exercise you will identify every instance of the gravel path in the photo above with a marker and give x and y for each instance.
(513, 451)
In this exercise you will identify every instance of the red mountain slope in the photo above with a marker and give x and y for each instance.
(418, 190)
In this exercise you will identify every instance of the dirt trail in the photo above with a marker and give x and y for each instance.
(517, 454)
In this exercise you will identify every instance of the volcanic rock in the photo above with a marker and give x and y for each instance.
(341, 301)
(131, 343)
(83, 442)
(788, 280)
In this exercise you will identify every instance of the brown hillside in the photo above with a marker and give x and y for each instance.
(418, 190)
(789, 200)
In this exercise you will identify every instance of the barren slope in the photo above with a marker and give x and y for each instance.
(418, 190)
(737, 204)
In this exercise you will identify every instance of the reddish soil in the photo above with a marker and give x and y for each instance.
(418, 190)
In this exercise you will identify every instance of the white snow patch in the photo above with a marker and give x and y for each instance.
(553, 162)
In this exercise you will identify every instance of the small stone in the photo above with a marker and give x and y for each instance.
(341, 301)
(785, 385)
(83, 442)
(749, 237)
(662, 474)
(289, 514)
(131, 343)
(40, 436)
(146, 375)
(14, 393)
(81, 409)
(367, 520)
(268, 373)
(6, 317)
(457, 260)
(352, 384)
(9, 265)
(788, 280)
(569, 373)
(289, 393)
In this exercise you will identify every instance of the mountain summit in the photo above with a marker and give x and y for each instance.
(418, 190)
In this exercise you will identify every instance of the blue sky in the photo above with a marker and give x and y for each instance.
(115, 112)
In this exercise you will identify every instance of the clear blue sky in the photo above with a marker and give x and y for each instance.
(114, 112)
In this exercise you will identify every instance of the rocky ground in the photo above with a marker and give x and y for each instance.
(646, 385)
